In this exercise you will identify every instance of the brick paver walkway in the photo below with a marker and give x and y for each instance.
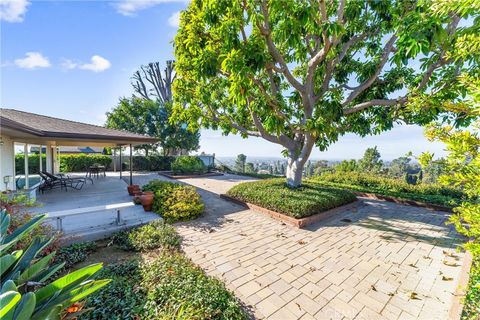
(385, 261)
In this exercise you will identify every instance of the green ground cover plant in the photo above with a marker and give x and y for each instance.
(167, 286)
(355, 181)
(174, 201)
(75, 253)
(154, 235)
(308, 199)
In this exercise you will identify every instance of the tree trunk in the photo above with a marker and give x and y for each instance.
(294, 172)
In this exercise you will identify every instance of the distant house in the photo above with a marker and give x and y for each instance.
(70, 150)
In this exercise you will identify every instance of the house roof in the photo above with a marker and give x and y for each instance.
(50, 127)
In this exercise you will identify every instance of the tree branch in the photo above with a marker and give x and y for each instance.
(375, 102)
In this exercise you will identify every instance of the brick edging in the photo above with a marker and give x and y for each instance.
(191, 176)
(299, 223)
(462, 287)
(402, 201)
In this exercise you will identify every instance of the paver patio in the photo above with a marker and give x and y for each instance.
(387, 263)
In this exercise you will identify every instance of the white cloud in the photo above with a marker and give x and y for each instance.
(33, 60)
(174, 20)
(97, 64)
(13, 10)
(68, 64)
(130, 7)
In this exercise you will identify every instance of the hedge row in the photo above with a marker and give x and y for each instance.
(33, 163)
(80, 162)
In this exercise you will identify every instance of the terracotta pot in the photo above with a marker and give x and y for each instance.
(147, 200)
(132, 188)
(136, 197)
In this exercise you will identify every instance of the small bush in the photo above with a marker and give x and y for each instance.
(471, 308)
(432, 193)
(307, 200)
(75, 253)
(175, 202)
(154, 235)
(80, 162)
(188, 165)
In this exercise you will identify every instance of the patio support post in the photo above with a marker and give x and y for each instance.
(114, 159)
(121, 166)
(40, 158)
(131, 164)
(25, 158)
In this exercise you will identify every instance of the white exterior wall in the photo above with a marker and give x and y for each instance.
(7, 162)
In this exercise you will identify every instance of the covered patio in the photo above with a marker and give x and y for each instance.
(102, 205)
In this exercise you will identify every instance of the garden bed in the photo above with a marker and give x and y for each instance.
(301, 206)
(153, 279)
(172, 175)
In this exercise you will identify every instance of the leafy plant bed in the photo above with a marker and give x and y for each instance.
(360, 182)
(471, 305)
(308, 200)
(172, 175)
(157, 283)
(300, 222)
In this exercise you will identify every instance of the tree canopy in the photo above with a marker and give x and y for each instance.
(302, 73)
(151, 117)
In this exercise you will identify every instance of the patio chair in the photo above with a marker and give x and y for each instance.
(66, 181)
(48, 183)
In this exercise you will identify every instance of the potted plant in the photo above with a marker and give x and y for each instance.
(136, 197)
(147, 200)
(132, 188)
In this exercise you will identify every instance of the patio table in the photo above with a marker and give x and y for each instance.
(96, 170)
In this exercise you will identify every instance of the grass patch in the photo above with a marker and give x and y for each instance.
(471, 308)
(154, 235)
(307, 200)
(429, 193)
(174, 201)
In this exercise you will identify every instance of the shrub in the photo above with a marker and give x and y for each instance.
(80, 162)
(433, 193)
(33, 163)
(188, 165)
(152, 163)
(471, 308)
(310, 198)
(153, 235)
(175, 202)
(75, 253)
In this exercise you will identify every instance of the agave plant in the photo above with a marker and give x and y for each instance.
(25, 291)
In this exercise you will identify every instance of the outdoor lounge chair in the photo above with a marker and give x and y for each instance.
(66, 181)
(48, 183)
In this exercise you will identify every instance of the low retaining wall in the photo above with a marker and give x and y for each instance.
(169, 174)
(299, 223)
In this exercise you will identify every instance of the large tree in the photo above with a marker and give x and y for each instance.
(151, 117)
(301, 73)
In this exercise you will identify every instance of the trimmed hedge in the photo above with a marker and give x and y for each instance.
(33, 163)
(174, 201)
(309, 199)
(154, 235)
(80, 162)
(152, 163)
(188, 165)
(431, 193)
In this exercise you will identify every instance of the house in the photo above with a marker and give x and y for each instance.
(50, 134)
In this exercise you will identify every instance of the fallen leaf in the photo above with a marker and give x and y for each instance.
(412, 265)
(444, 278)
(301, 242)
(450, 263)
(427, 257)
(449, 254)
(414, 296)
(373, 287)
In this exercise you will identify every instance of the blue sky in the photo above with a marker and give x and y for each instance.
(74, 60)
